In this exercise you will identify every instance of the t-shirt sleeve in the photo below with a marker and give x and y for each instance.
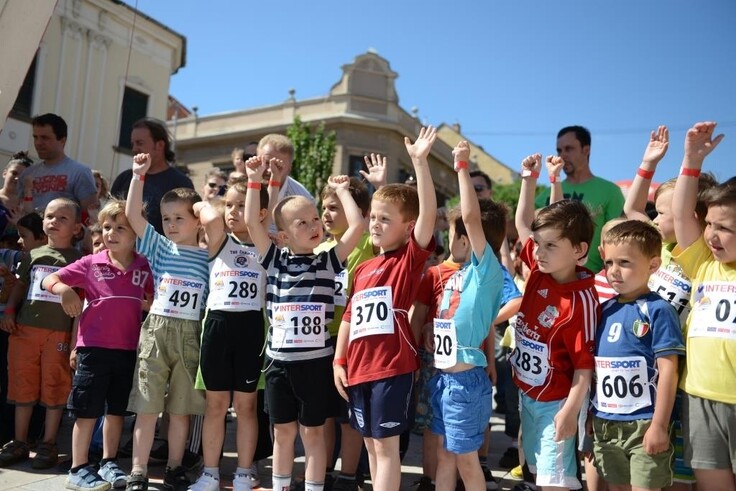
(693, 256)
(667, 333)
(150, 242)
(510, 290)
(416, 255)
(527, 253)
(426, 286)
(75, 274)
(84, 184)
(270, 257)
(333, 261)
(24, 269)
(487, 266)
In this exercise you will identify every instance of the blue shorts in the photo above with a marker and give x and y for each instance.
(553, 462)
(380, 409)
(461, 408)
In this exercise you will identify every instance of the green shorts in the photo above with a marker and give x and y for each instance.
(621, 459)
(168, 357)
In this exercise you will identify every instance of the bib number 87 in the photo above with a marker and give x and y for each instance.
(618, 385)
(309, 325)
(380, 309)
(183, 299)
(526, 361)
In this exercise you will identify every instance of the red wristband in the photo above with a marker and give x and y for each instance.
(275, 184)
(27, 198)
(460, 164)
(529, 173)
(646, 174)
(9, 310)
(50, 289)
(552, 179)
(139, 177)
(254, 185)
(689, 172)
(343, 362)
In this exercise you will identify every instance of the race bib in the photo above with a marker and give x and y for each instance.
(37, 291)
(531, 361)
(298, 325)
(179, 297)
(372, 313)
(622, 384)
(714, 311)
(674, 288)
(237, 290)
(341, 285)
(445, 343)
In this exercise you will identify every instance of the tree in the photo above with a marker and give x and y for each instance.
(314, 154)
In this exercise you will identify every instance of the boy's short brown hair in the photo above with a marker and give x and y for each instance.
(570, 218)
(721, 195)
(401, 195)
(358, 190)
(112, 210)
(608, 226)
(492, 218)
(95, 229)
(184, 195)
(641, 234)
(706, 181)
(71, 204)
(288, 202)
(280, 143)
(241, 186)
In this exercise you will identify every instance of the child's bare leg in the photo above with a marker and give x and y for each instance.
(715, 479)
(468, 466)
(112, 430)
(145, 427)
(81, 438)
(430, 443)
(213, 432)
(52, 423)
(313, 438)
(22, 421)
(284, 436)
(178, 434)
(247, 432)
(388, 464)
(445, 477)
(351, 443)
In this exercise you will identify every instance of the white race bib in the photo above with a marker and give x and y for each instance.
(237, 290)
(298, 325)
(179, 297)
(36, 291)
(622, 384)
(445, 343)
(531, 361)
(714, 311)
(372, 312)
(673, 288)
(341, 288)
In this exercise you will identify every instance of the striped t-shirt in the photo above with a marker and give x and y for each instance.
(300, 302)
(180, 276)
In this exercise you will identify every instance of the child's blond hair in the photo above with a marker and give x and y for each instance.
(280, 143)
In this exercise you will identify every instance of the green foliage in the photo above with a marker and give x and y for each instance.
(509, 194)
(314, 154)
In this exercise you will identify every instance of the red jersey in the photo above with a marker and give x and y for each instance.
(432, 286)
(381, 344)
(555, 331)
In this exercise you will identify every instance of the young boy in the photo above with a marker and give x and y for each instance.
(232, 342)
(553, 360)
(115, 282)
(168, 352)
(38, 353)
(299, 302)
(709, 260)
(461, 395)
(638, 343)
(376, 353)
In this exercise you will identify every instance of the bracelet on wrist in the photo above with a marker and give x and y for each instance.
(529, 173)
(343, 362)
(254, 185)
(689, 172)
(10, 310)
(139, 177)
(645, 174)
(553, 179)
(274, 184)
(460, 164)
(50, 289)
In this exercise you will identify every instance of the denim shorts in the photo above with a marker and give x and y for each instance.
(461, 408)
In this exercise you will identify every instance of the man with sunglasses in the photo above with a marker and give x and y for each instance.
(482, 184)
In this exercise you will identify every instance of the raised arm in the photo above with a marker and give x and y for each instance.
(419, 151)
(258, 232)
(278, 175)
(376, 165)
(554, 166)
(530, 167)
(699, 142)
(134, 203)
(213, 224)
(636, 198)
(349, 240)
(469, 207)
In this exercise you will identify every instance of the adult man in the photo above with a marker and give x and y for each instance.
(603, 198)
(56, 176)
(150, 136)
(482, 184)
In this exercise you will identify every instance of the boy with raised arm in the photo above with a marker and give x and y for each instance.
(300, 297)
(376, 353)
(555, 328)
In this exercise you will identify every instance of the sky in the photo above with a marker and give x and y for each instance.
(511, 73)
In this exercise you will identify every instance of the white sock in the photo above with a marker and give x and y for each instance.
(313, 486)
(213, 471)
(281, 483)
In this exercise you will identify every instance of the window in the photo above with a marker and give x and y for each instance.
(135, 107)
(355, 165)
(23, 104)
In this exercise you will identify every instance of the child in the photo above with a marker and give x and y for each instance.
(637, 347)
(461, 391)
(95, 236)
(38, 353)
(114, 281)
(231, 355)
(168, 352)
(554, 331)
(299, 302)
(376, 351)
(709, 259)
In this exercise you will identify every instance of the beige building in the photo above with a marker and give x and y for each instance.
(100, 65)
(362, 108)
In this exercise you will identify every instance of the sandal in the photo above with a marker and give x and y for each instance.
(137, 482)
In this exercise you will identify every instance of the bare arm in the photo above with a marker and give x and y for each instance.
(213, 224)
(506, 259)
(16, 296)
(636, 198)
(509, 309)
(356, 223)
(656, 439)
(257, 231)
(530, 167)
(469, 207)
(134, 203)
(339, 367)
(554, 167)
(417, 316)
(566, 420)
(419, 151)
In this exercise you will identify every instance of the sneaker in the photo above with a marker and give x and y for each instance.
(517, 473)
(424, 484)
(525, 486)
(13, 452)
(207, 482)
(176, 479)
(86, 479)
(509, 459)
(253, 476)
(113, 474)
(491, 483)
(47, 456)
(191, 461)
(241, 482)
(341, 483)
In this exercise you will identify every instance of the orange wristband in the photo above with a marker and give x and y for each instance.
(689, 172)
(552, 179)
(254, 185)
(343, 362)
(529, 173)
(646, 174)
(275, 184)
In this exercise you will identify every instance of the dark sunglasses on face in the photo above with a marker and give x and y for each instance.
(479, 188)
(212, 185)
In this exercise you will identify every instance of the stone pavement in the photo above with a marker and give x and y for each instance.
(22, 477)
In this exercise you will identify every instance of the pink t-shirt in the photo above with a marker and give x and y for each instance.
(112, 318)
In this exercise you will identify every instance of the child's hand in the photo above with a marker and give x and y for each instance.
(339, 182)
(73, 359)
(699, 141)
(7, 323)
(554, 165)
(278, 170)
(531, 165)
(341, 380)
(658, 142)
(376, 166)
(565, 425)
(254, 169)
(421, 147)
(461, 152)
(656, 440)
(70, 302)
(141, 164)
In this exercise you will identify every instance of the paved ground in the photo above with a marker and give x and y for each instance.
(22, 477)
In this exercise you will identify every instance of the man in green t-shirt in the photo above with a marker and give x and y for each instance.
(603, 198)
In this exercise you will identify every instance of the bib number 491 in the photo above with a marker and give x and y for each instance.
(183, 299)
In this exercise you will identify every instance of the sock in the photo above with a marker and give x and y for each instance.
(78, 468)
(313, 486)
(281, 483)
(212, 471)
(105, 461)
(140, 469)
(242, 470)
(346, 477)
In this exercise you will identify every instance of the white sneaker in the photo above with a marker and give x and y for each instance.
(241, 482)
(206, 482)
(253, 476)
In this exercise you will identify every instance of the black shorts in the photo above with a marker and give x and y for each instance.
(231, 353)
(103, 377)
(380, 409)
(299, 391)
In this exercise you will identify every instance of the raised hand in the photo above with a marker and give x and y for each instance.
(254, 169)
(699, 141)
(277, 167)
(554, 165)
(423, 144)
(461, 152)
(376, 166)
(141, 164)
(531, 165)
(658, 142)
(339, 182)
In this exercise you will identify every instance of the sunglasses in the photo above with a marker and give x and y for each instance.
(248, 155)
(212, 185)
(479, 188)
